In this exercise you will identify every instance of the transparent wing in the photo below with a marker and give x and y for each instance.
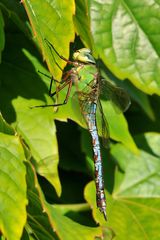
(86, 97)
(86, 100)
(103, 128)
(117, 95)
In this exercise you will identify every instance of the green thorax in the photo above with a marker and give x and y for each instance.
(85, 74)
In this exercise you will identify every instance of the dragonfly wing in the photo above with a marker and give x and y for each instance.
(82, 106)
(117, 95)
(86, 97)
(103, 126)
(86, 108)
(85, 102)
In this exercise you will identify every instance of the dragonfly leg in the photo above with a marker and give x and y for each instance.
(60, 56)
(50, 77)
(64, 82)
(59, 88)
(69, 83)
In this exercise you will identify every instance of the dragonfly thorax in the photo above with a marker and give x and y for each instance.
(84, 55)
(85, 75)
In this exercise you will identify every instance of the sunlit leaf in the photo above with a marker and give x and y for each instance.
(126, 38)
(134, 204)
(13, 187)
(19, 92)
(118, 126)
(63, 224)
(56, 26)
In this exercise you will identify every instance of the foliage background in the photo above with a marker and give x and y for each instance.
(47, 187)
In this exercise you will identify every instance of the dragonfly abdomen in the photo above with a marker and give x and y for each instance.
(92, 126)
(100, 194)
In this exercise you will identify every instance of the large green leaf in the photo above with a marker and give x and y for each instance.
(40, 135)
(20, 89)
(52, 21)
(118, 126)
(136, 217)
(126, 36)
(13, 187)
(63, 225)
(138, 193)
(122, 52)
(141, 178)
(134, 208)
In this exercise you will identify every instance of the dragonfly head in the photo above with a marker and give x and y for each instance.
(84, 55)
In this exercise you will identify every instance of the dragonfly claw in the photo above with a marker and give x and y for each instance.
(105, 215)
(103, 211)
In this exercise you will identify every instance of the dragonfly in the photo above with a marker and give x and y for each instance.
(85, 74)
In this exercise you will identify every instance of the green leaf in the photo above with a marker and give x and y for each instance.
(40, 136)
(126, 37)
(5, 127)
(141, 178)
(138, 193)
(13, 187)
(74, 230)
(56, 26)
(118, 127)
(1, 34)
(135, 202)
(20, 91)
(136, 217)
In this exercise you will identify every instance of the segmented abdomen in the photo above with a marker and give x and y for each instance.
(92, 126)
